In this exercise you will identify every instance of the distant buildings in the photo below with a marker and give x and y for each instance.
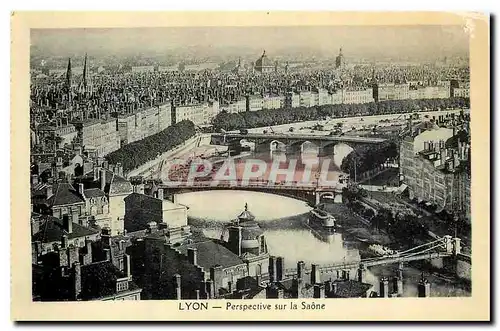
(199, 114)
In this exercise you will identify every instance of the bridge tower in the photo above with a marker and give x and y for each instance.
(447, 241)
(457, 248)
(361, 273)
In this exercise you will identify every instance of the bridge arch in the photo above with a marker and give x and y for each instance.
(304, 146)
(275, 145)
(340, 151)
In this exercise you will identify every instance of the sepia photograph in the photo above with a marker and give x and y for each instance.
(190, 164)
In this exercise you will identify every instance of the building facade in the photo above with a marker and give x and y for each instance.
(436, 173)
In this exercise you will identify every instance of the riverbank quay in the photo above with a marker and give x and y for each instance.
(436, 225)
(185, 147)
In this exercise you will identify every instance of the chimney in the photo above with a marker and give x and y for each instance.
(258, 279)
(107, 253)
(120, 169)
(319, 291)
(280, 266)
(74, 218)
(34, 179)
(96, 172)
(315, 276)
(177, 284)
(398, 285)
(456, 159)
(301, 266)
(384, 288)
(67, 223)
(209, 285)
(77, 280)
(234, 240)
(64, 241)
(160, 193)
(126, 266)
(272, 269)
(35, 226)
(443, 155)
(449, 165)
(80, 189)
(106, 237)
(361, 274)
(192, 256)
(152, 226)
(86, 257)
(334, 288)
(49, 191)
(103, 179)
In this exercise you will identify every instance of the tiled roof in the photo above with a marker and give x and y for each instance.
(64, 194)
(93, 193)
(211, 254)
(351, 289)
(51, 230)
(119, 185)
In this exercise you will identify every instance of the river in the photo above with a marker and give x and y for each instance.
(288, 235)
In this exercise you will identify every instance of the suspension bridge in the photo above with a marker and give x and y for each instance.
(439, 248)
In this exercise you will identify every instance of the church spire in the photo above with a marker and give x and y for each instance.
(69, 82)
(85, 71)
(68, 74)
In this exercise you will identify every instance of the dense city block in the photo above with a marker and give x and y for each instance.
(394, 221)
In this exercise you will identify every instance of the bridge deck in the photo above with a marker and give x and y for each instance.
(296, 186)
(367, 140)
(371, 262)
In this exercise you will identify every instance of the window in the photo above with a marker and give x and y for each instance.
(121, 286)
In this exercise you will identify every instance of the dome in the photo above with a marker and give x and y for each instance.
(263, 61)
(263, 64)
(250, 230)
(246, 215)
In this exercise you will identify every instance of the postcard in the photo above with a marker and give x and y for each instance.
(250, 166)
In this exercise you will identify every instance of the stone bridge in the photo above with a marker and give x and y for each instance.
(313, 194)
(293, 142)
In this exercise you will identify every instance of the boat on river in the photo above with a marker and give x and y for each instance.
(324, 219)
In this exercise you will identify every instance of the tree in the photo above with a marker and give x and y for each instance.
(407, 228)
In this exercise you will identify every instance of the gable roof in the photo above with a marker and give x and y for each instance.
(51, 229)
(211, 254)
(64, 194)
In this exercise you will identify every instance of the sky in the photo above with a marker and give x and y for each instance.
(412, 41)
